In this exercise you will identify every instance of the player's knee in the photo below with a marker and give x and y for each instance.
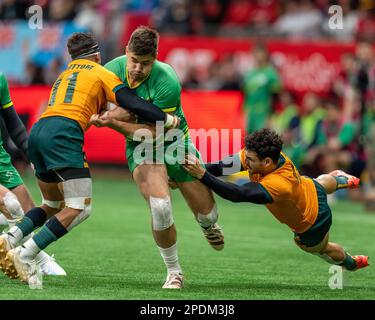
(13, 206)
(81, 216)
(53, 204)
(206, 220)
(161, 210)
(78, 195)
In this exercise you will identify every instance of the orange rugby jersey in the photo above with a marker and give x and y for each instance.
(81, 91)
(295, 201)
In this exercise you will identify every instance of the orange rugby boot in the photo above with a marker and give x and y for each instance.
(361, 261)
(352, 182)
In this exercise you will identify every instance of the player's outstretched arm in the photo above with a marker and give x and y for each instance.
(15, 127)
(146, 110)
(249, 192)
(227, 166)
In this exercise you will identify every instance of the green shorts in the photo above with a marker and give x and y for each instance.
(323, 222)
(55, 143)
(9, 176)
(172, 156)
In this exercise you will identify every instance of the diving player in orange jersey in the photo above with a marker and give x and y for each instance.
(297, 201)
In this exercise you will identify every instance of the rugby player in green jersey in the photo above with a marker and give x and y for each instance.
(260, 84)
(15, 199)
(158, 83)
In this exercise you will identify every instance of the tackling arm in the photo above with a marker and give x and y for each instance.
(249, 192)
(146, 110)
(231, 164)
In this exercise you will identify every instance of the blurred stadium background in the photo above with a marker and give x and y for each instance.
(322, 101)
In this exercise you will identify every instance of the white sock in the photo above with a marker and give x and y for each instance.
(3, 222)
(42, 256)
(29, 250)
(15, 235)
(207, 220)
(171, 259)
(12, 223)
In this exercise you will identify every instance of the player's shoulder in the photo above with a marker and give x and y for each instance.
(164, 71)
(275, 177)
(286, 166)
(285, 158)
(117, 66)
(283, 172)
(116, 62)
(279, 181)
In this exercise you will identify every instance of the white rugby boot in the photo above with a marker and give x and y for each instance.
(48, 265)
(174, 281)
(26, 269)
(215, 236)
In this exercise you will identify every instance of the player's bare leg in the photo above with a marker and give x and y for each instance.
(74, 195)
(8, 204)
(15, 235)
(53, 201)
(47, 263)
(152, 181)
(7, 216)
(334, 253)
(201, 202)
(336, 180)
(22, 202)
(24, 197)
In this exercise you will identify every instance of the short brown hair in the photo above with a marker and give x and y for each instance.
(144, 41)
(82, 44)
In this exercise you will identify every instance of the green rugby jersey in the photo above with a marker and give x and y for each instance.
(5, 100)
(161, 87)
(259, 84)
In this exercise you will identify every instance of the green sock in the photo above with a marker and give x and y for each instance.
(26, 225)
(50, 232)
(349, 263)
(44, 237)
(341, 182)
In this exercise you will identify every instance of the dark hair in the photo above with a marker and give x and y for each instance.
(144, 41)
(82, 44)
(265, 143)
